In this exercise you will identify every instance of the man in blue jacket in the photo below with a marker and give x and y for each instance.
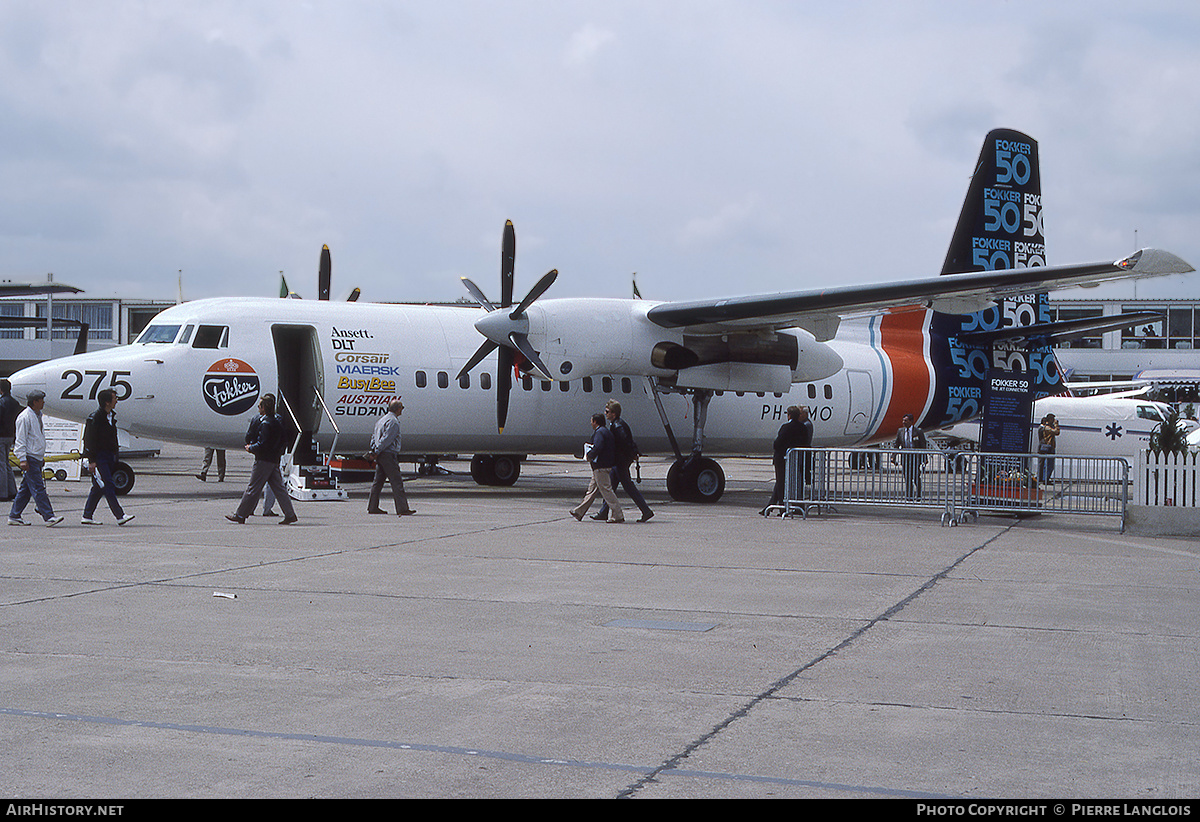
(602, 457)
(265, 440)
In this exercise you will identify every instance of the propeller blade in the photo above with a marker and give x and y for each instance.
(538, 290)
(477, 293)
(324, 274)
(521, 343)
(487, 348)
(503, 386)
(508, 256)
(354, 295)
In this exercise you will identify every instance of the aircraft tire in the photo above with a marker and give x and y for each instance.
(505, 469)
(122, 477)
(481, 469)
(696, 480)
(495, 469)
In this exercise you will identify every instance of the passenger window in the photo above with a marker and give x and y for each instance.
(626, 385)
(485, 381)
(421, 379)
(443, 379)
(606, 385)
(587, 385)
(828, 392)
(812, 391)
(209, 336)
(527, 382)
(545, 385)
(564, 387)
(464, 381)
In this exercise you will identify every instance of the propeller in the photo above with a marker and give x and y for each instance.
(324, 274)
(505, 329)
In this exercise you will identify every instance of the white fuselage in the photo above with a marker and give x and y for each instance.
(199, 384)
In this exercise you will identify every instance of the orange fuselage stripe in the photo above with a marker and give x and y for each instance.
(904, 339)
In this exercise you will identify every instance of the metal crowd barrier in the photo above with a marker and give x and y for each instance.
(960, 484)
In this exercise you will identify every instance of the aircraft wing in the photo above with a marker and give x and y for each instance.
(818, 310)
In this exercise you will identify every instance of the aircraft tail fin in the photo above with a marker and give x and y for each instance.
(1000, 225)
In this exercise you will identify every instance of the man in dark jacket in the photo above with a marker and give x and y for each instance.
(909, 437)
(10, 409)
(265, 440)
(100, 449)
(602, 457)
(627, 452)
(797, 432)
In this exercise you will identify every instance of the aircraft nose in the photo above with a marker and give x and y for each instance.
(27, 380)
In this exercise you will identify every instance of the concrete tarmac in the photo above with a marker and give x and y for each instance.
(492, 646)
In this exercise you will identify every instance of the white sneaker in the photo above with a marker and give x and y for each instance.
(50, 523)
(88, 521)
(16, 521)
(124, 519)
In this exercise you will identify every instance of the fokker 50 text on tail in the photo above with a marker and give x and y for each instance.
(859, 357)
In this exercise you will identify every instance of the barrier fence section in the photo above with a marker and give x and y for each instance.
(1168, 479)
(959, 484)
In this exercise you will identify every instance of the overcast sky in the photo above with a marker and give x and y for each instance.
(715, 148)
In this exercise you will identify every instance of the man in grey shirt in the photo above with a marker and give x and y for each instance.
(385, 447)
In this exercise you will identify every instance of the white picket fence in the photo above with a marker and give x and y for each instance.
(1167, 479)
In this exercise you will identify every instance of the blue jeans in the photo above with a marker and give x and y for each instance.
(32, 486)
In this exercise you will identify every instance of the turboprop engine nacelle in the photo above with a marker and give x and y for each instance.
(585, 337)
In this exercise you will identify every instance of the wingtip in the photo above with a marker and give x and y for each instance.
(1153, 262)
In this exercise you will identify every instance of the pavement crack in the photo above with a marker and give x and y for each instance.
(673, 763)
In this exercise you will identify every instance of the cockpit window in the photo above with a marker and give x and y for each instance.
(159, 334)
(211, 336)
(1149, 412)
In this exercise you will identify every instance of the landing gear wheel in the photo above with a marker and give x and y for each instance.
(495, 469)
(698, 479)
(122, 477)
(505, 469)
(481, 468)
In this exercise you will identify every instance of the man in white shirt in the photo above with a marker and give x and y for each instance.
(30, 448)
(385, 446)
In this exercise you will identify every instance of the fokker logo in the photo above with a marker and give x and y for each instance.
(230, 387)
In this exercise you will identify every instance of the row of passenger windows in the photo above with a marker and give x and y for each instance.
(442, 379)
(607, 384)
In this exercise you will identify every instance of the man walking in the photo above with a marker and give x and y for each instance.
(30, 447)
(627, 452)
(100, 449)
(385, 446)
(10, 409)
(603, 457)
(265, 440)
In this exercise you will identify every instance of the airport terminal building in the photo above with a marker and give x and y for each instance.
(1166, 351)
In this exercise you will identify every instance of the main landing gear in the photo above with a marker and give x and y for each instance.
(694, 478)
(496, 469)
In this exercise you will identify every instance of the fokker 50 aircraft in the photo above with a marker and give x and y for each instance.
(859, 357)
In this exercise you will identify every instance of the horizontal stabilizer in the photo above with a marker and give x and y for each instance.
(1061, 331)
